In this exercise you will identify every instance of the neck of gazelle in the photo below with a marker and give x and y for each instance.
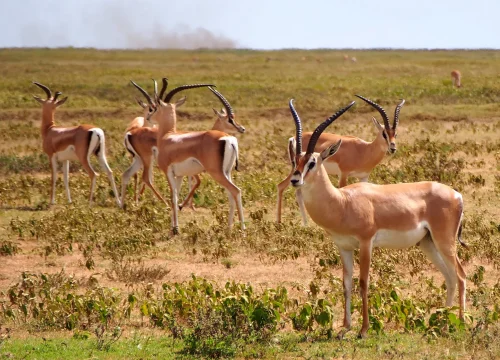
(47, 120)
(377, 148)
(167, 122)
(218, 125)
(323, 201)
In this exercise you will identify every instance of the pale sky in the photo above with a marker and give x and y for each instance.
(257, 24)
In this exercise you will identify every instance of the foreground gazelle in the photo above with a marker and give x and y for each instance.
(356, 157)
(71, 143)
(188, 154)
(456, 78)
(141, 142)
(363, 216)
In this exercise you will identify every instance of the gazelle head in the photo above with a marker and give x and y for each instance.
(165, 107)
(308, 163)
(226, 116)
(389, 133)
(148, 109)
(51, 103)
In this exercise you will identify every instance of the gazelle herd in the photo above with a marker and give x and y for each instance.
(357, 216)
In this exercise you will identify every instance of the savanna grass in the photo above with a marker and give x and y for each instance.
(445, 134)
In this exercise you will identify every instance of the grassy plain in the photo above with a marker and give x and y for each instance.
(105, 254)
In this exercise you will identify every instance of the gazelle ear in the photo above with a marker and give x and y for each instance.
(291, 151)
(331, 150)
(181, 101)
(377, 124)
(41, 101)
(141, 103)
(62, 101)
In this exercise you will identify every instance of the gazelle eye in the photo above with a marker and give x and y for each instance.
(311, 165)
(384, 135)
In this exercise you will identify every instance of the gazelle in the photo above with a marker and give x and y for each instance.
(141, 143)
(188, 154)
(363, 216)
(71, 143)
(355, 158)
(455, 78)
(225, 122)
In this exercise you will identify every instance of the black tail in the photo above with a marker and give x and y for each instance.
(129, 136)
(98, 148)
(237, 162)
(459, 234)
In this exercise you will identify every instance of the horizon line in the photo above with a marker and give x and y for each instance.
(243, 49)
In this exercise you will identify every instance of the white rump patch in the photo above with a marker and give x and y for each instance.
(394, 239)
(230, 154)
(67, 154)
(188, 167)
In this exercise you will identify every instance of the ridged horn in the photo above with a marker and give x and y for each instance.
(171, 94)
(298, 129)
(396, 114)
(227, 106)
(163, 87)
(155, 87)
(316, 134)
(44, 88)
(379, 108)
(143, 92)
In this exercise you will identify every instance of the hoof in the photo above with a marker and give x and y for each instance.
(175, 231)
(362, 335)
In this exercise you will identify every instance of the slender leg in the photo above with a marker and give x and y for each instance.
(281, 188)
(347, 257)
(107, 169)
(302, 208)
(131, 171)
(365, 253)
(189, 198)
(147, 178)
(365, 179)
(136, 194)
(66, 178)
(232, 207)
(233, 190)
(174, 199)
(443, 244)
(53, 166)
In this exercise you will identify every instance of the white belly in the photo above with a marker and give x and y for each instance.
(331, 167)
(345, 242)
(400, 239)
(67, 154)
(188, 167)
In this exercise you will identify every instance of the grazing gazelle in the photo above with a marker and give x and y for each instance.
(355, 158)
(456, 78)
(363, 216)
(71, 143)
(141, 142)
(188, 154)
